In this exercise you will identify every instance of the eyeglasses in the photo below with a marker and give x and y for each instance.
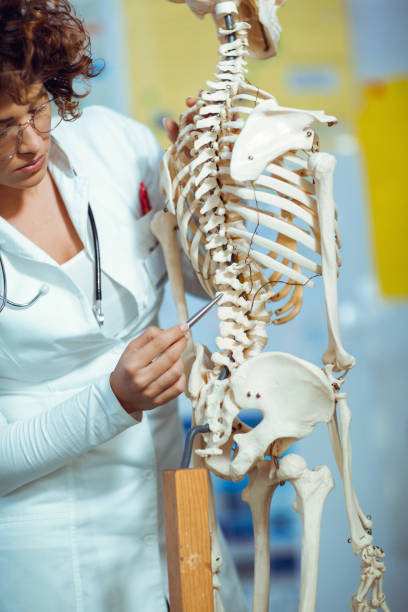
(41, 120)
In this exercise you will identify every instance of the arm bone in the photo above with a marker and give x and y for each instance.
(322, 165)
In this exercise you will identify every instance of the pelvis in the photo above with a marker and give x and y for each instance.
(292, 395)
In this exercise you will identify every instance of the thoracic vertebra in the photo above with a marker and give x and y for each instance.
(212, 211)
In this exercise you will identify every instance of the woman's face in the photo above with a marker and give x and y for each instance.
(28, 165)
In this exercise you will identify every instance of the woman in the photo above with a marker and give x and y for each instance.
(85, 423)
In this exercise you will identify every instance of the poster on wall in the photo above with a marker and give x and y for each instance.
(384, 101)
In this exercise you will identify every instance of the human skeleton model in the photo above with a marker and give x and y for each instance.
(252, 198)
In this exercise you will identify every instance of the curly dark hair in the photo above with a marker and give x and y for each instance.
(43, 41)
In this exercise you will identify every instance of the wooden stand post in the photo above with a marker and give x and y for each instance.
(185, 495)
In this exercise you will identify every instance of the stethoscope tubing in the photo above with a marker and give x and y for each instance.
(44, 288)
(4, 299)
(97, 309)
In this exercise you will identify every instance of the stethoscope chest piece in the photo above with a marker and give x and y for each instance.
(4, 301)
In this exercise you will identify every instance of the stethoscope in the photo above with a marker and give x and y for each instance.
(97, 308)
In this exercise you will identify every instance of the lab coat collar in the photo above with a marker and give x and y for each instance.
(74, 191)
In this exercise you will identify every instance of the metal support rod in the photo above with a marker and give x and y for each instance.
(224, 373)
(229, 24)
(188, 445)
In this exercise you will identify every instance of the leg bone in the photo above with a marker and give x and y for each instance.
(312, 488)
(258, 494)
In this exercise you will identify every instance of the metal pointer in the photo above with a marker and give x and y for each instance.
(200, 313)
(197, 316)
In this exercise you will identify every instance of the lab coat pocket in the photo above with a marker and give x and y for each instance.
(144, 236)
(155, 267)
(36, 566)
(153, 260)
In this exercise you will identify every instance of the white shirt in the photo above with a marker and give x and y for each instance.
(118, 306)
(81, 525)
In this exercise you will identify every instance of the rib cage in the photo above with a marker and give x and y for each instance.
(258, 243)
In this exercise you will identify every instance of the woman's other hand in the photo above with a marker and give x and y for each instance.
(171, 126)
(150, 371)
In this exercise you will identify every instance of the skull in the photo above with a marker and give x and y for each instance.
(261, 16)
(292, 395)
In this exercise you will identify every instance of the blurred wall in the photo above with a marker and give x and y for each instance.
(350, 58)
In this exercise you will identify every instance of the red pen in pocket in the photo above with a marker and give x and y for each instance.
(144, 200)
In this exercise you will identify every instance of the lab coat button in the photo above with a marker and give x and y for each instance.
(144, 303)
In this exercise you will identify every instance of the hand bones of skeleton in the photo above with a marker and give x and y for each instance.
(252, 198)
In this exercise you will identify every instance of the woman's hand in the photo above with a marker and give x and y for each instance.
(171, 126)
(150, 371)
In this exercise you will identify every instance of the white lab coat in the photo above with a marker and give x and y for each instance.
(81, 527)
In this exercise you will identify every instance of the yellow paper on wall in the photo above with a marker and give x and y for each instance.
(383, 128)
(171, 53)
